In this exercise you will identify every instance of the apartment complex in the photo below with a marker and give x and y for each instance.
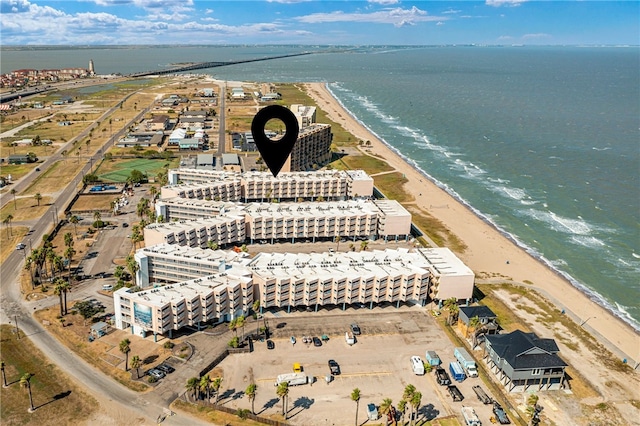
(223, 229)
(215, 298)
(311, 150)
(263, 186)
(171, 263)
(306, 115)
(228, 223)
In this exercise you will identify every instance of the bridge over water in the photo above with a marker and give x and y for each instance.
(204, 65)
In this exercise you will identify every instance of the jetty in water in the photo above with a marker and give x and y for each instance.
(204, 65)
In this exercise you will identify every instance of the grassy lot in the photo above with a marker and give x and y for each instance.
(88, 202)
(391, 185)
(367, 163)
(57, 400)
(74, 336)
(25, 208)
(55, 178)
(8, 240)
(436, 230)
(119, 171)
(15, 170)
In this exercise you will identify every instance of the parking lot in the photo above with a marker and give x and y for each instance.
(378, 364)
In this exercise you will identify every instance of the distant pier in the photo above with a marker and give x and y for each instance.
(204, 65)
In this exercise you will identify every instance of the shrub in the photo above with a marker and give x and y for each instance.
(168, 345)
(152, 379)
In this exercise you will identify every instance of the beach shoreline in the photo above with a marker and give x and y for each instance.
(490, 253)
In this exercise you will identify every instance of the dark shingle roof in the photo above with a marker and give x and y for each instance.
(477, 311)
(525, 351)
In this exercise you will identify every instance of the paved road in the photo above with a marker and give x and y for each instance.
(13, 307)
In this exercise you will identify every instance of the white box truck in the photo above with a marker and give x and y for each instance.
(466, 361)
(293, 379)
(470, 417)
(349, 338)
(417, 365)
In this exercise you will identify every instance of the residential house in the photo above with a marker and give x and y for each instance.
(521, 360)
(487, 319)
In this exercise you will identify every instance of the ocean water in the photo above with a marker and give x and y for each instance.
(543, 142)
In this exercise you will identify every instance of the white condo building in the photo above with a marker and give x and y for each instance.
(263, 186)
(228, 223)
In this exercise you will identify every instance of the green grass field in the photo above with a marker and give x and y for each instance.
(119, 171)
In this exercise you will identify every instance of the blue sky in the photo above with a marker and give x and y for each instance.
(126, 22)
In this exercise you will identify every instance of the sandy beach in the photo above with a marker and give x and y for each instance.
(489, 253)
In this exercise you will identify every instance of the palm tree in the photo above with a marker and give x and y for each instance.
(74, 220)
(4, 376)
(58, 263)
(193, 385)
(452, 306)
(355, 396)
(474, 323)
(132, 266)
(240, 322)
(68, 239)
(118, 273)
(125, 349)
(38, 198)
(415, 401)
(336, 240)
(205, 385)
(283, 391)
(7, 221)
(13, 192)
(386, 408)
(233, 325)
(136, 363)
(25, 381)
(250, 391)
(97, 215)
(57, 290)
(216, 384)
(402, 407)
(153, 191)
(66, 288)
(364, 245)
(212, 245)
(69, 253)
(408, 393)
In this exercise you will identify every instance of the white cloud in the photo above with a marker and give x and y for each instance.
(384, 2)
(536, 36)
(498, 3)
(397, 17)
(439, 23)
(452, 11)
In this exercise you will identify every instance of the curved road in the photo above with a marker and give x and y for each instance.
(13, 306)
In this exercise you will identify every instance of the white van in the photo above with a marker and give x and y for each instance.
(417, 365)
(107, 287)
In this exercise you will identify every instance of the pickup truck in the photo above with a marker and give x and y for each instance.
(442, 377)
(349, 338)
(500, 414)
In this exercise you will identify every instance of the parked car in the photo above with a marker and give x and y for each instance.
(125, 225)
(334, 367)
(154, 372)
(166, 368)
(20, 246)
(270, 344)
(355, 329)
(501, 415)
(107, 287)
(293, 340)
(37, 169)
(317, 341)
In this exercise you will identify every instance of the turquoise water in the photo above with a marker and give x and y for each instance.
(541, 141)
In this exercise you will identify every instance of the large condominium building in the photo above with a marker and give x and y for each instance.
(262, 186)
(171, 263)
(306, 115)
(221, 223)
(223, 229)
(311, 150)
(318, 279)
(214, 298)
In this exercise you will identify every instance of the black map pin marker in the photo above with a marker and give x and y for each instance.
(275, 152)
